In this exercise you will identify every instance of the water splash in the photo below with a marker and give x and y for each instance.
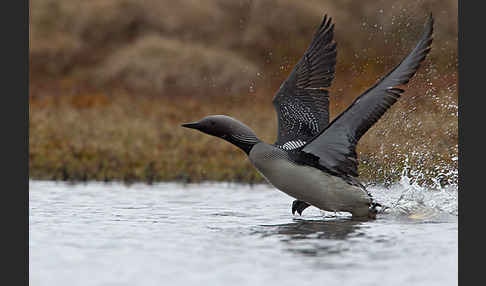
(408, 198)
(412, 197)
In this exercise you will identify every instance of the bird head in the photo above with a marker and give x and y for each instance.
(227, 128)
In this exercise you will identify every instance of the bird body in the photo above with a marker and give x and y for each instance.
(308, 184)
(314, 160)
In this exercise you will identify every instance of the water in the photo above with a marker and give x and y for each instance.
(226, 234)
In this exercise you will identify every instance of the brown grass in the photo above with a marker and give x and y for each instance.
(111, 81)
(155, 65)
(76, 37)
(122, 137)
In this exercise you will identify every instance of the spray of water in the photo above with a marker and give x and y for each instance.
(408, 197)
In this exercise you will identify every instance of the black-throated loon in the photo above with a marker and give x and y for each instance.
(313, 160)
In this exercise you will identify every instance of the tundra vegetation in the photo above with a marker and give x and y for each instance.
(111, 81)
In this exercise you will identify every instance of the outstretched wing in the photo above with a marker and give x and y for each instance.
(336, 145)
(302, 103)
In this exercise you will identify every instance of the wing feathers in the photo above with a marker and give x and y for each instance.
(335, 146)
(302, 103)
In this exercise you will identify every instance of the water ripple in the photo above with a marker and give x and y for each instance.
(229, 234)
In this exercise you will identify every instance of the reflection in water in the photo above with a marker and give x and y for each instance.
(311, 229)
(314, 237)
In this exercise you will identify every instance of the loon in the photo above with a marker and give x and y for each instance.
(314, 160)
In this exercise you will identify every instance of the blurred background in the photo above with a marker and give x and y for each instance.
(111, 81)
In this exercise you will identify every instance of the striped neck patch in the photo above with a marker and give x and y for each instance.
(291, 145)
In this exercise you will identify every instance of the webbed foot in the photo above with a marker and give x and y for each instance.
(376, 208)
(299, 206)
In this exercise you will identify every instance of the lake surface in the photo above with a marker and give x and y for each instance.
(229, 234)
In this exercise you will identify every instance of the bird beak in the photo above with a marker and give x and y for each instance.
(193, 125)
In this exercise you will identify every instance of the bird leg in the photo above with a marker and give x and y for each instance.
(299, 206)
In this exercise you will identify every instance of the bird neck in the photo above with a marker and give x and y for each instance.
(243, 141)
